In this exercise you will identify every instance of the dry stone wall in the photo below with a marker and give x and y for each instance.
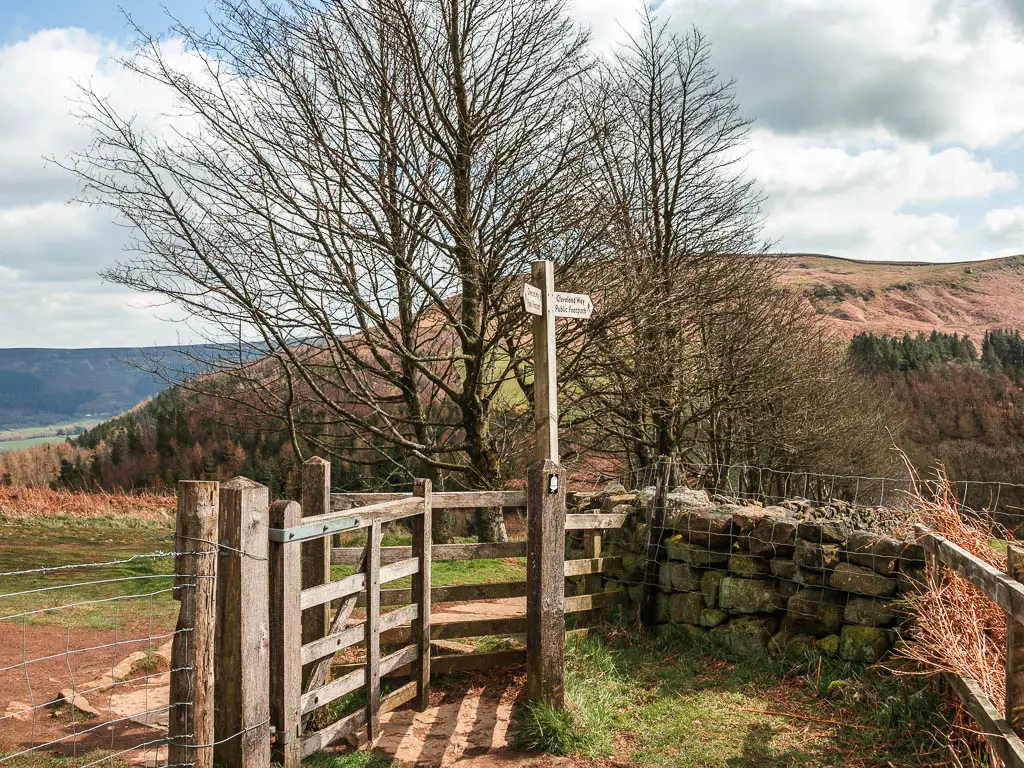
(767, 579)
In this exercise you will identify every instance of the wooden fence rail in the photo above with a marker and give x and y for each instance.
(1003, 733)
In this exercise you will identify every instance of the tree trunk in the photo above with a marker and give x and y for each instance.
(490, 521)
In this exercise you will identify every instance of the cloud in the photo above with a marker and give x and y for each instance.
(51, 251)
(924, 70)
(884, 130)
(1006, 226)
(859, 203)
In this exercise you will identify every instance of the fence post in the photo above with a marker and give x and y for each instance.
(316, 554)
(285, 637)
(242, 664)
(373, 534)
(421, 541)
(191, 702)
(1015, 648)
(545, 583)
(655, 541)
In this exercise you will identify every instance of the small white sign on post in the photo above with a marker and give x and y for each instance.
(577, 305)
(533, 300)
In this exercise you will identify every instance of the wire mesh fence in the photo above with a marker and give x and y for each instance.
(86, 659)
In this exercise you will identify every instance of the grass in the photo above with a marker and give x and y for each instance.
(673, 701)
(444, 573)
(62, 540)
(7, 446)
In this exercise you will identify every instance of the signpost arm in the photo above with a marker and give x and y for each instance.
(545, 386)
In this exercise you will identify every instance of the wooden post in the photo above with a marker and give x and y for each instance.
(242, 664)
(1015, 648)
(655, 542)
(421, 541)
(316, 554)
(373, 631)
(285, 637)
(545, 584)
(545, 381)
(191, 702)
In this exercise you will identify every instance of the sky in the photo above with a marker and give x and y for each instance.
(884, 129)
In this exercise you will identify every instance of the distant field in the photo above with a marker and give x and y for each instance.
(16, 445)
(25, 437)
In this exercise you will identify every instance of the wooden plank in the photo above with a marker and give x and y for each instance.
(399, 570)
(334, 642)
(341, 502)
(545, 579)
(996, 586)
(439, 552)
(586, 566)
(242, 730)
(285, 637)
(384, 512)
(655, 542)
(545, 371)
(592, 582)
(316, 554)
(1015, 648)
(456, 593)
(398, 617)
(449, 663)
(997, 732)
(333, 590)
(348, 726)
(191, 715)
(421, 592)
(333, 690)
(453, 630)
(594, 521)
(580, 603)
(373, 631)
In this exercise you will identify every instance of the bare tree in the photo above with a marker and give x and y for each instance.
(361, 184)
(699, 354)
(684, 231)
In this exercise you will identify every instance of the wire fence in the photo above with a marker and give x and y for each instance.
(86, 660)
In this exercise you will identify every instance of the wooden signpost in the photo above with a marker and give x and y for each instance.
(545, 574)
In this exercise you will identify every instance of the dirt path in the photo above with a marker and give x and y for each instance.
(78, 691)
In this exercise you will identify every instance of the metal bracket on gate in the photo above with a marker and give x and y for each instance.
(312, 530)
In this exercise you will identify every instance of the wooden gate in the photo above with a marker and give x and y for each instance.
(304, 639)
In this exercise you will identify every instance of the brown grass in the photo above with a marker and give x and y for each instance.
(955, 628)
(19, 502)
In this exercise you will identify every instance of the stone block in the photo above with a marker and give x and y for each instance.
(772, 537)
(910, 580)
(871, 550)
(745, 519)
(911, 556)
(863, 581)
(738, 595)
(864, 644)
(748, 636)
(661, 612)
(786, 588)
(684, 577)
(814, 611)
(829, 644)
(824, 531)
(815, 556)
(748, 566)
(783, 569)
(710, 583)
(869, 611)
(700, 557)
(712, 617)
(665, 575)
(786, 643)
(708, 529)
(685, 607)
